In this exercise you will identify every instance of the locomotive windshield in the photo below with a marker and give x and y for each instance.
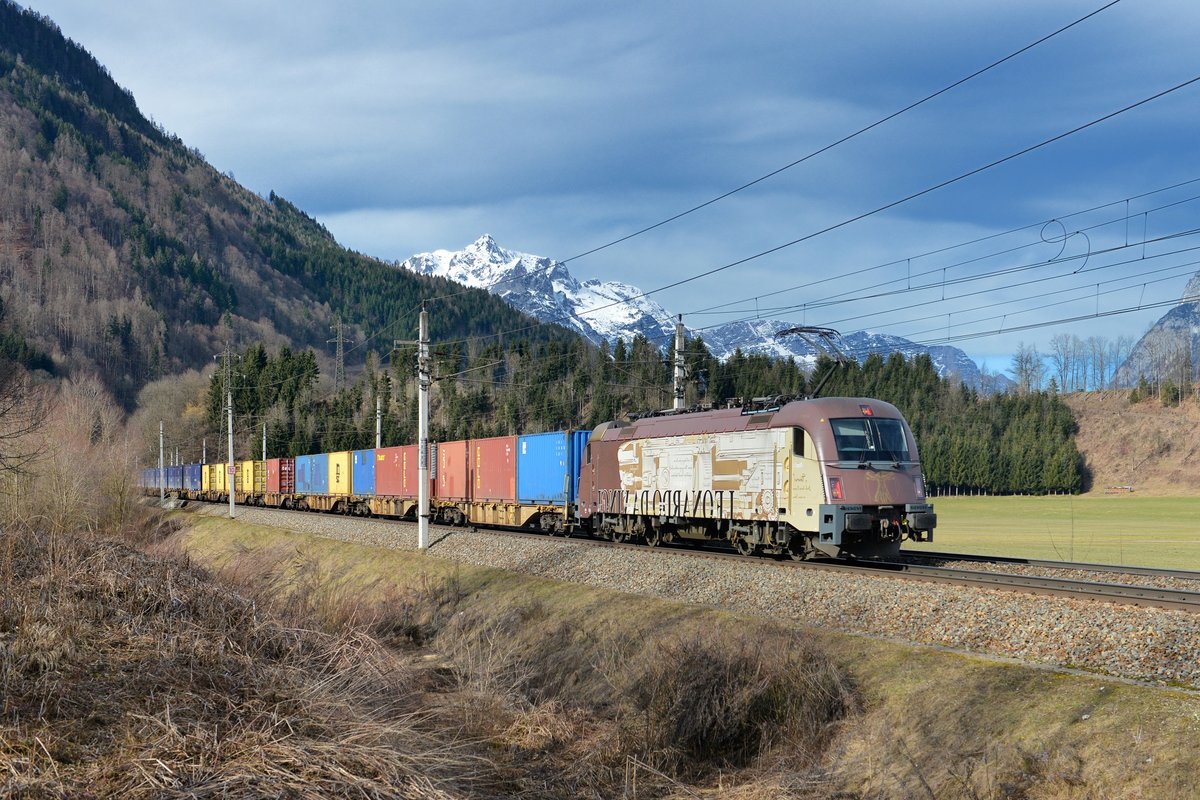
(870, 439)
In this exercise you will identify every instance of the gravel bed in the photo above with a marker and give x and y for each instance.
(1146, 644)
(1157, 581)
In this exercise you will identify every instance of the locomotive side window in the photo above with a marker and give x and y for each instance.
(798, 441)
(870, 439)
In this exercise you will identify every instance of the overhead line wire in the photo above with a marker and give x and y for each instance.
(863, 270)
(832, 145)
(921, 193)
(844, 139)
(879, 209)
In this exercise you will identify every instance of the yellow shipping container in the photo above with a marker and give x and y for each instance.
(218, 479)
(252, 477)
(340, 474)
(205, 478)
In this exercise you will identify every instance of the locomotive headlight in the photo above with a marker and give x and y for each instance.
(919, 485)
(835, 489)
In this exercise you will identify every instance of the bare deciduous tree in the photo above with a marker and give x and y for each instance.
(1027, 368)
(23, 408)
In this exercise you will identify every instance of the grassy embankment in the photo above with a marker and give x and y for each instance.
(1110, 529)
(547, 668)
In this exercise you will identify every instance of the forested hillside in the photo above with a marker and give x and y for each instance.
(122, 252)
(999, 444)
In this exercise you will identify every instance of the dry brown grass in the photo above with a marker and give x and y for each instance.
(568, 704)
(1144, 445)
(123, 675)
(578, 692)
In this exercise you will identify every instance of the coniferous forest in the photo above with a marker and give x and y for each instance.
(994, 444)
(125, 255)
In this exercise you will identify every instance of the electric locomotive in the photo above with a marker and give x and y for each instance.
(832, 476)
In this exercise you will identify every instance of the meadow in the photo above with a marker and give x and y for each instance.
(1111, 529)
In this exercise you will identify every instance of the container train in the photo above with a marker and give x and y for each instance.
(829, 477)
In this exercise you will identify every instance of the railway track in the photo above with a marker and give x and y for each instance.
(1117, 593)
(1081, 566)
(1124, 593)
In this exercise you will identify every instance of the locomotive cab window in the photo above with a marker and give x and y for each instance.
(870, 439)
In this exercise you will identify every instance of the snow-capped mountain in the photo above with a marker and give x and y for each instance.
(546, 291)
(759, 336)
(1172, 344)
(608, 310)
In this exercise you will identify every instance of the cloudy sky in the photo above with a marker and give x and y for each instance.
(560, 126)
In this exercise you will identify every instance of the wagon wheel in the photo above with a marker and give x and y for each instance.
(653, 537)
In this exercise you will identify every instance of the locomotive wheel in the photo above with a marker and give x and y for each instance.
(653, 537)
(799, 549)
(743, 545)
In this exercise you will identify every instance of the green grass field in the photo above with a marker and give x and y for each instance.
(1116, 529)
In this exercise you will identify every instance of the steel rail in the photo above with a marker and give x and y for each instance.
(1082, 566)
(1116, 593)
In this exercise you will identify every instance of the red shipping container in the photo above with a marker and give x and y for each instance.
(453, 471)
(281, 475)
(396, 472)
(494, 469)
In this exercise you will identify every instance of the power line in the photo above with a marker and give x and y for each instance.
(824, 149)
(915, 195)
(842, 140)
(716, 309)
(864, 215)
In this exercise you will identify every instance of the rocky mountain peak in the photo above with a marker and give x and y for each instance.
(610, 310)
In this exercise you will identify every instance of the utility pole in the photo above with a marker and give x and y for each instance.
(378, 420)
(204, 450)
(423, 433)
(161, 472)
(230, 466)
(264, 441)
(679, 370)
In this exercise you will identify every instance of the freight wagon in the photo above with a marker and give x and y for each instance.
(821, 477)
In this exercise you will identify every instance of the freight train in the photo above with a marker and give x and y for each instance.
(828, 477)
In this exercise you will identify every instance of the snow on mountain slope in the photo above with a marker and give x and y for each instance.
(608, 310)
(546, 291)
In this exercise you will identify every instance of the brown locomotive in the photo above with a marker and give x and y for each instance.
(832, 476)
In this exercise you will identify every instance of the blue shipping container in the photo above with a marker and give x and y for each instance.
(193, 477)
(579, 440)
(312, 474)
(364, 473)
(174, 478)
(543, 468)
